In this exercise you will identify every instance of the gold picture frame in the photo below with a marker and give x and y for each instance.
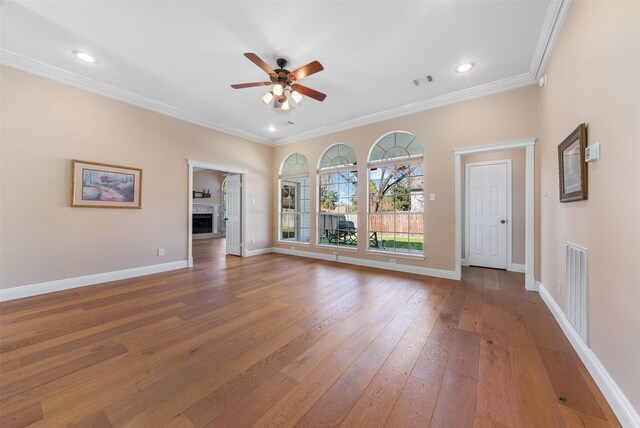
(103, 185)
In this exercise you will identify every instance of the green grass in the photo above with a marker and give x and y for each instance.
(402, 243)
(288, 233)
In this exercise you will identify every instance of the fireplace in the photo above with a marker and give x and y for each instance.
(202, 223)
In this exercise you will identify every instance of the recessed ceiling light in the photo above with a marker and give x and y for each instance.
(463, 68)
(272, 128)
(86, 57)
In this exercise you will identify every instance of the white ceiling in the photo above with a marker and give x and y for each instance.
(180, 57)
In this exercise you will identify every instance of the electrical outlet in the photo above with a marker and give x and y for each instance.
(335, 255)
(392, 261)
(160, 252)
(253, 240)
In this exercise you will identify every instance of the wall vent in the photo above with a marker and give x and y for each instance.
(577, 295)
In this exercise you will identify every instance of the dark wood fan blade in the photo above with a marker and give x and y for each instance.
(260, 63)
(306, 70)
(249, 85)
(311, 93)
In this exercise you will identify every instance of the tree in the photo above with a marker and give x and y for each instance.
(391, 183)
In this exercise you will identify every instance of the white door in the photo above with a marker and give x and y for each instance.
(487, 211)
(233, 208)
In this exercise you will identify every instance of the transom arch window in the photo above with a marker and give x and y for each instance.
(338, 197)
(294, 199)
(396, 193)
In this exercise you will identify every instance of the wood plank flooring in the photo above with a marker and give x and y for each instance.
(279, 341)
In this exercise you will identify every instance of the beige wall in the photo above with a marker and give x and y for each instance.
(207, 179)
(594, 77)
(46, 124)
(518, 166)
(493, 119)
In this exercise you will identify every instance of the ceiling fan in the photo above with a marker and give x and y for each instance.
(284, 80)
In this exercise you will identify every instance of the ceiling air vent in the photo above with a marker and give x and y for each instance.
(423, 80)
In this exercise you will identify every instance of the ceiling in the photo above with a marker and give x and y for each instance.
(180, 57)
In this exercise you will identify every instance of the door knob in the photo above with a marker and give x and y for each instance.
(503, 221)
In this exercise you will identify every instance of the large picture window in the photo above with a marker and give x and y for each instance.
(294, 199)
(396, 194)
(338, 197)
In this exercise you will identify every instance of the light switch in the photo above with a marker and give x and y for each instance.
(432, 196)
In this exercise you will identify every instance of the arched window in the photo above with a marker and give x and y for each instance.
(396, 194)
(338, 191)
(294, 199)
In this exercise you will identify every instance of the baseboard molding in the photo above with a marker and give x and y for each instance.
(627, 415)
(516, 267)
(439, 273)
(83, 281)
(464, 262)
(259, 251)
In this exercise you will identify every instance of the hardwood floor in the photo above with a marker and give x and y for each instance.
(275, 340)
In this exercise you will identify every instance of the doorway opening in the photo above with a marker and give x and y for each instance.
(216, 212)
(526, 146)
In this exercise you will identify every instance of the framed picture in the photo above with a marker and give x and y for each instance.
(101, 185)
(573, 168)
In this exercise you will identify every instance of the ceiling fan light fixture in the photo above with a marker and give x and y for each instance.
(278, 89)
(285, 105)
(464, 67)
(296, 96)
(267, 98)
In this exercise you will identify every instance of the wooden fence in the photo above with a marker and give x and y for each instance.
(410, 223)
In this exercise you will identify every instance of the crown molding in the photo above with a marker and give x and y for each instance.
(39, 68)
(553, 20)
(503, 85)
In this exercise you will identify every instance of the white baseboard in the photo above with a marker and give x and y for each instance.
(516, 267)
(83, 281)
(464, 262)
(439, 273)
(627, 415)
(259, 251)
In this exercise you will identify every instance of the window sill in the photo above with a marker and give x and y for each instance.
(304, 244)
(396, 254)
(337, 247)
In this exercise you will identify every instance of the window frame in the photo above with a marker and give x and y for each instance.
(298, 215)
(405, 160)
(327, 170)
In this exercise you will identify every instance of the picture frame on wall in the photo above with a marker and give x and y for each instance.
(101, 185)
(572, 166)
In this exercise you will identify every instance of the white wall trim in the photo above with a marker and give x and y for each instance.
(517, 144)
(259, 251)
(528, 145)
(516, 267)
(36, 67)
(439, 273)
(553, 20)
(83, 281)
(627, 415)
(503, 85)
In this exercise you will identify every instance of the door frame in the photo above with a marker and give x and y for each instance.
(243, 205)
(529, 251)
(467, 219)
